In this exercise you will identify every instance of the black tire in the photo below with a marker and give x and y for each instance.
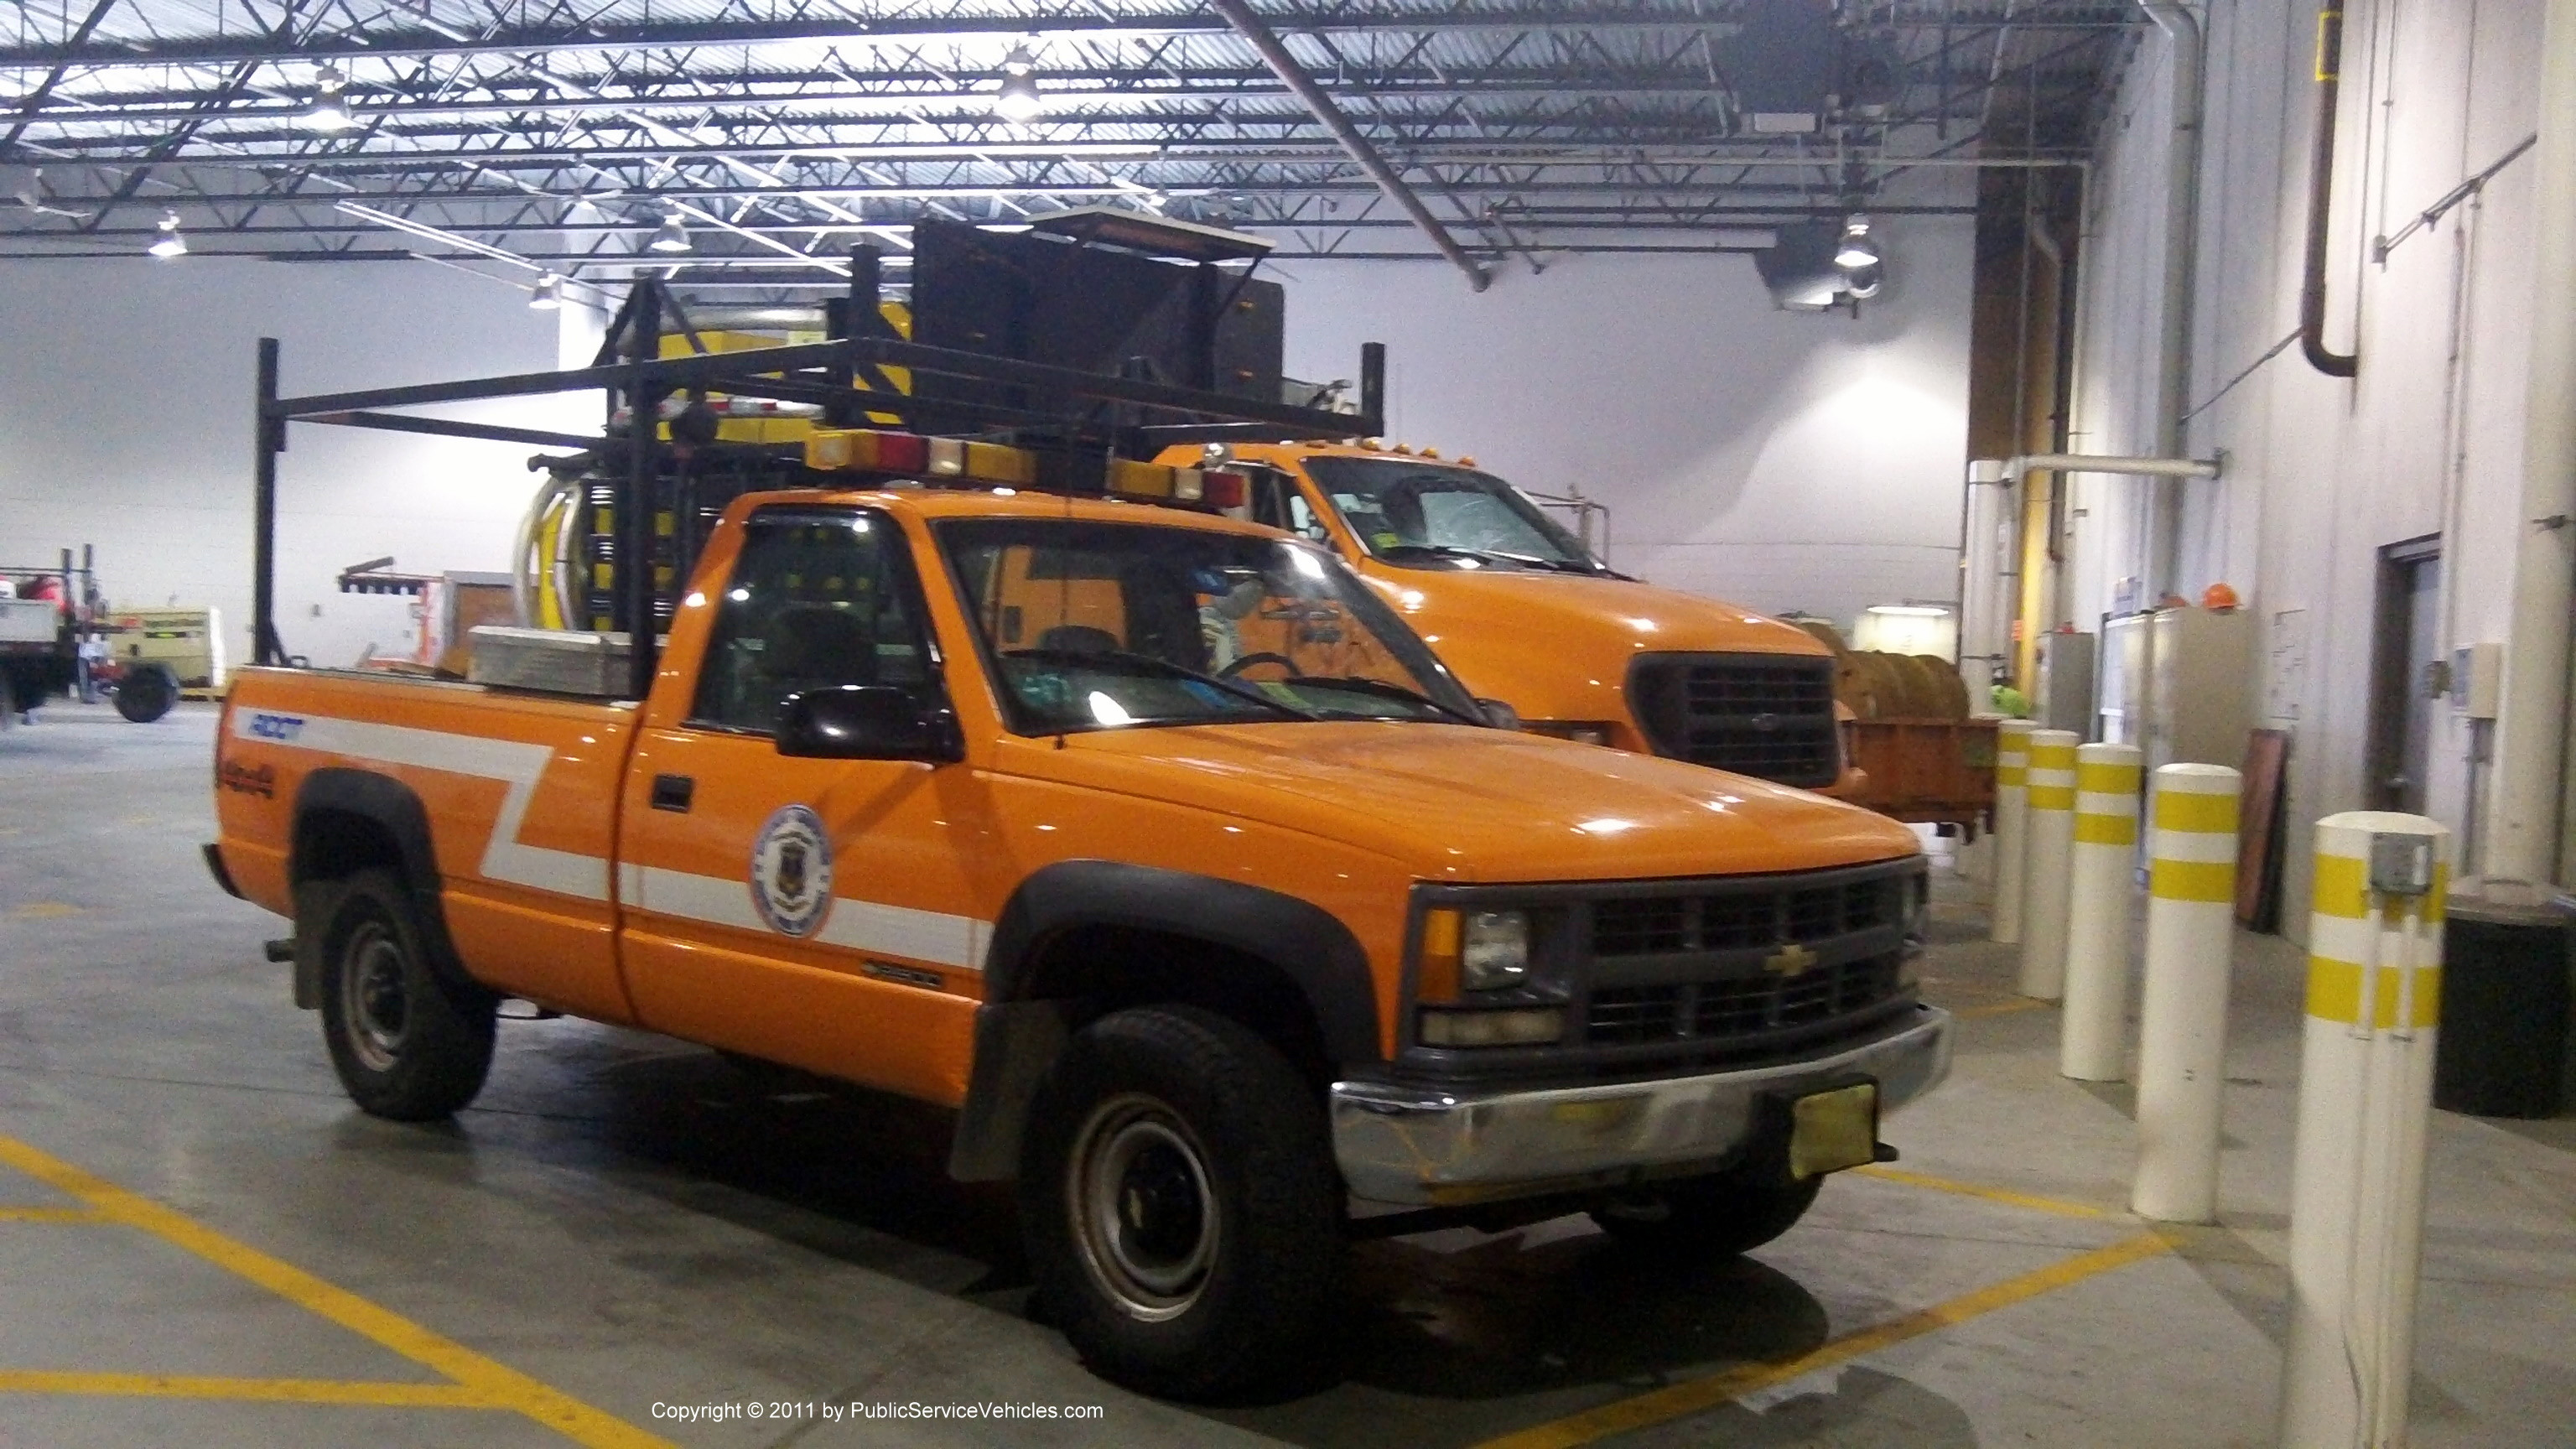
(146, 693)
(408, 1045)
(1707, 1217)
(1181, 1207)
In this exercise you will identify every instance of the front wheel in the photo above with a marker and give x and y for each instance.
(1181, 1206)
(407, 1044)
(146, 693)
(1707, 1217)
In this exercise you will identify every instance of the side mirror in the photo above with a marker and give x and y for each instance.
(867, 722)
(1499, 714)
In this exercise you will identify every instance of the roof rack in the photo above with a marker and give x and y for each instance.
(1069, 430)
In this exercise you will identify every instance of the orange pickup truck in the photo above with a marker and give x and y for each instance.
(1525, 614)
(1156, 845)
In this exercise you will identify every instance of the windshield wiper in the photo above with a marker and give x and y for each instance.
(1452, 550)
(1165, 668)
(1384, 689)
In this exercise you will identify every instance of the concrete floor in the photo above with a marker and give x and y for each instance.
(202, 1243)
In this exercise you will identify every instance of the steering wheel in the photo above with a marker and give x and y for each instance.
(1249, 660)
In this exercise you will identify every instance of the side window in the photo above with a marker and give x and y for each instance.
(816, 600)
(1279, 503)
(1304, 520)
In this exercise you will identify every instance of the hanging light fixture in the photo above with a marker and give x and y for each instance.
(672, 235)
(169, 243)
(1019, 99)
(1857, 250)
(547, 294)
(330, 109)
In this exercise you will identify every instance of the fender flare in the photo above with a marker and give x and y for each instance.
(1017, 1037)
(391, 805)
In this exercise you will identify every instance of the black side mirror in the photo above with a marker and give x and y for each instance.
(1499, 714)
(867, 722)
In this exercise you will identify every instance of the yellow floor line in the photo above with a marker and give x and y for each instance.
(52, 1215)
(278, 1391)
(2001, 1008)
(500, 1386)
(2059, 1206)
(1699, 1395)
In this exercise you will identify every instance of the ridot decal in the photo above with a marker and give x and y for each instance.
(791, 871)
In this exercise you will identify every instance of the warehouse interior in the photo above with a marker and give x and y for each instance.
(2197, 379)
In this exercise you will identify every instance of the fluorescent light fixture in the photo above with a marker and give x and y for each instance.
(330, 109)
(547, 294)
(1911, 611)
(1857, 250)
(169, 243)
(672, 235)
(1019, 99)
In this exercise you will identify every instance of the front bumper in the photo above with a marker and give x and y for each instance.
(1409, 1144)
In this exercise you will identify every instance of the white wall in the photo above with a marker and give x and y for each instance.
(1786, 461)
(1780, 460)
(125, 422)
(2321, 473)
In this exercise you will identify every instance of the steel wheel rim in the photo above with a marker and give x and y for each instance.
(377, 999)
(1144, 1212)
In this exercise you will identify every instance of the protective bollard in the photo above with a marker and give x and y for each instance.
(2049, 827)
(2182, 1027)
(2093, 1042)
(2012, 812)
(2365, 1100)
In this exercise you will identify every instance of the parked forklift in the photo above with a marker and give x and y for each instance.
(54, 641)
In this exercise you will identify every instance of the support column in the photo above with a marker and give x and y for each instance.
(2012, 822)
(2182, 1027)
(2093, 1043)
(2365, 1102)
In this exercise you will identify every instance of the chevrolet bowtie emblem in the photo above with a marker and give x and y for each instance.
(1790, 960)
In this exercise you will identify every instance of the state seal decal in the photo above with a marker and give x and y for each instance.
(791, 871)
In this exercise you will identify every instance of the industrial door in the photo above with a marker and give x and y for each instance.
(2407, 645)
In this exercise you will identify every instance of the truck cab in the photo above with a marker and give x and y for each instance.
(1526, 615)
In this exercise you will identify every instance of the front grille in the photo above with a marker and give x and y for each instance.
(1737, 1006)
(1736, 918)
(1715, 962)
(1765, 715)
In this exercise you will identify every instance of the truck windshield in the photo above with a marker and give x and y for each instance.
(1435, 516)
(1107, 625)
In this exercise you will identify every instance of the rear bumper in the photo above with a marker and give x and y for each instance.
(1408, 1144)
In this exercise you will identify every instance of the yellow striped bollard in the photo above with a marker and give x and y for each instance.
(2050, 828)
(2012, 820)
(2365, 1101)
(2093, 1042)
(2182, 1016)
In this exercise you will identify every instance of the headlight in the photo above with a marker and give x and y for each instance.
(1495, 951)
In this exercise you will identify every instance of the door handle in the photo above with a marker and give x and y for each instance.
(672, 793)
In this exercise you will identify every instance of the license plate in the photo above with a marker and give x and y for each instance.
(1829, 1131)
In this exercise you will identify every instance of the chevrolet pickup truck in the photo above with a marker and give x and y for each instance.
(1527, 615)
(1153, 843)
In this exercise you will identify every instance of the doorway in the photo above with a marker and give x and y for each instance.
(2406, 644)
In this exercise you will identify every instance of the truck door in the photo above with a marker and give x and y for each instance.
(812, 912)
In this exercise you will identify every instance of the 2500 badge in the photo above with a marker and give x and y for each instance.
(260, 780)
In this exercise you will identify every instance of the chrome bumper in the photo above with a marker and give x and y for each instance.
(1403, 1144)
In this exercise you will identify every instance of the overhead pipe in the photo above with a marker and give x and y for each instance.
(2312, 286)
(2526, 803)
(2182, 239)
(1293, 75)
(2014, 468)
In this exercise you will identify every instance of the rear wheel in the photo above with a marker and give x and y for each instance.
(1707, 1217)
(1182, 1210)
(146, 693)
(408, 1045)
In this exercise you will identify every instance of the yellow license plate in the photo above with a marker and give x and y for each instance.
(1829, 1131)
